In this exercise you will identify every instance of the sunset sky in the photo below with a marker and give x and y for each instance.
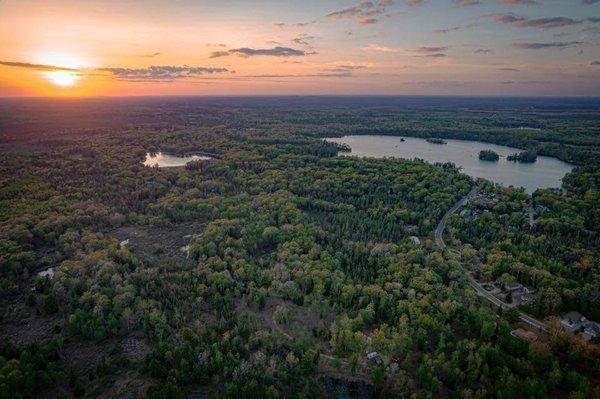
(185, 47)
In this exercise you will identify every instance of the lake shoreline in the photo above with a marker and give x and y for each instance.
(546, 172)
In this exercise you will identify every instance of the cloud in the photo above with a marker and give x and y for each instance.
(538, 46)
(161, 72)
(383, 49)
(540, 23)
(519, 2)
(482, 51)
(415, 3)
(589, 2)
(455, 28)
(278, 51)
(39, 67)
(344, 74)
(303, 39)
(363, 13)
(148, 55)
(346, 68)
(509, 69)
(507, 82)
(281, 25)
(595, 62)
(429, 49)
(436, 55)
(466, 3)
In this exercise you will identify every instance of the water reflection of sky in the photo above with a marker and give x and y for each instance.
(545, 172)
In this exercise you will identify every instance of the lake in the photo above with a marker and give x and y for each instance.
(163, 160)
(545, 172)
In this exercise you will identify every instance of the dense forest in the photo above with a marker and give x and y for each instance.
(278, 269)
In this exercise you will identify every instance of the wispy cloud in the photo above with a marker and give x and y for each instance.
(540, 23)
(278, 51)
(595, 63)
(148, 55)
(282, 25)
(511, 3)
(383, 49)
(39, 67)
(509, 69)
(343, 74)
(482, 51)
(346, 68)
(161, 73)
(363, 13)
(538, 46)
(303, 39)
(455, 28)
(466, 3)
(430, 49)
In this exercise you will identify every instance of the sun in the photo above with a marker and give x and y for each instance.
(62, 78)
(66, 74)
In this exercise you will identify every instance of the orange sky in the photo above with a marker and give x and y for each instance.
(105, 48)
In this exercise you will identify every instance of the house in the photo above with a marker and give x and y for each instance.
(374, 357)
(509, 287)
(529, 290)
(524, 334)
(49, 273)
(573, 321)
(590, 330)
(524, 299)
(124, 243)
(415, 240)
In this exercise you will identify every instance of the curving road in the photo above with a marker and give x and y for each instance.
(439, 241)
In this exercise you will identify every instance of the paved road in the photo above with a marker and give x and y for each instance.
(439, 240)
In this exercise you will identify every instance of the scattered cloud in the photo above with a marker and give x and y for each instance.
(482, 51)
(429, 49)
(346, 68)
(455, 28)
(511, 3)
(39, 67)
(538, 46)
(507, 82)
(278, 51)
(383, 49)
(148, 55)
(161, 72)
(303, 39)
(540, 23)
(595, 63)
(281, 25)
(344, 74)
(363, 13)
(509, 69)
(435, 55)
(466, 3)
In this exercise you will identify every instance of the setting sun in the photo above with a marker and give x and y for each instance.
(61, 78)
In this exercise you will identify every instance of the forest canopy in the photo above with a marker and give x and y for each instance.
(278, 269)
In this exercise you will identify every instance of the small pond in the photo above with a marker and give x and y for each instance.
(545, 172)
(163, 160)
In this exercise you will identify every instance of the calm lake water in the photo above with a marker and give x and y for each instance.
(163, 160)
(545, 172)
